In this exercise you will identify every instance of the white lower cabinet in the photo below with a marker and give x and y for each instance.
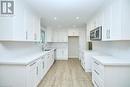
(62, 54)
(32, 74)
(86, 60)
(110, 75)
(18, 75)
(35, 72)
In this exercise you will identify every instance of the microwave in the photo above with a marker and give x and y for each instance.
(96, 34)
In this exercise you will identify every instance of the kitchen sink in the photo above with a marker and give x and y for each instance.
(47, 49)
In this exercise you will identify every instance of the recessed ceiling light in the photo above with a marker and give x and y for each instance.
(55, 18)
(77, 18)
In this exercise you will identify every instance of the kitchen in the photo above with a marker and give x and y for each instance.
(63, 43)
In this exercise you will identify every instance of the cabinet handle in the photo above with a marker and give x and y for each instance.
(43, 64)
(109, 34)
(96, 72)
(37, 71)
(35, 36)
(96, 83)
(96, 63)
(33, 64)
(26, 35)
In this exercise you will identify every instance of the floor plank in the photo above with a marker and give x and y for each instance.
(66, 74)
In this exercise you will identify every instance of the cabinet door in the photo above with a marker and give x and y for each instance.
(36, 28)
(126, 19)
(60, 36)
(28, 18)
(49, 35)
(107, 23)
(12, 27)
(19, 33)
(43, 63)
(65, 53)
(39, 71)
(33, 72)
(100, 19)
(88, 31)
(6, 25)
(58, 53)
(63, 36)
(112, 21)
(116, 20)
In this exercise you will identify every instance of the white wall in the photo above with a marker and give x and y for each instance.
(16, 49)
(116, 48)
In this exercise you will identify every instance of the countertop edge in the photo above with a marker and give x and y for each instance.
(34, 57)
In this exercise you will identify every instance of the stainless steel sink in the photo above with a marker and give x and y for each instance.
(47, 49)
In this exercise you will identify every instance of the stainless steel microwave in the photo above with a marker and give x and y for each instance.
(96, 34)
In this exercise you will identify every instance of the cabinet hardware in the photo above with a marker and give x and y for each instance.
(96, 72)
(33, 64)
(108, 33)
(37, 71)
(26, 35)
(43, 64)
(96, 83)
(35, 36)
(96, 63)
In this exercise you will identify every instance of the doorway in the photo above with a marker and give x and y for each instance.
(73, 46)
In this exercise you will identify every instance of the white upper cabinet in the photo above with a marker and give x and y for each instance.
(49, 35)
(73, 32)
(112, 26)
(24, 25)
(37, 31)
(88, 32)
(114, 19)
(57, 35)
(106, 27)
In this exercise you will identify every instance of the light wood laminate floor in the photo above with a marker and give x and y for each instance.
(66, 74)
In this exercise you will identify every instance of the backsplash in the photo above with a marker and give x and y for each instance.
(14, 49)
(57, 45)
(119, 49)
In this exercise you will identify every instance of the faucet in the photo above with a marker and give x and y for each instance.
(43, 47)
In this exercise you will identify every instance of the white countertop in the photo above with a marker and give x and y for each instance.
(110, 60)
(94, 53)
(23, 60)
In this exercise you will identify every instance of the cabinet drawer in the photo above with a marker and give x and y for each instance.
(98, 69)
(97, 81)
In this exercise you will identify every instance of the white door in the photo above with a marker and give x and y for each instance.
(73, 46)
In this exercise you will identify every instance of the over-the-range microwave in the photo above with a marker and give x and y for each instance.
(96, 34)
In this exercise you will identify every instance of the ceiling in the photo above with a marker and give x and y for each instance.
(65, 13)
